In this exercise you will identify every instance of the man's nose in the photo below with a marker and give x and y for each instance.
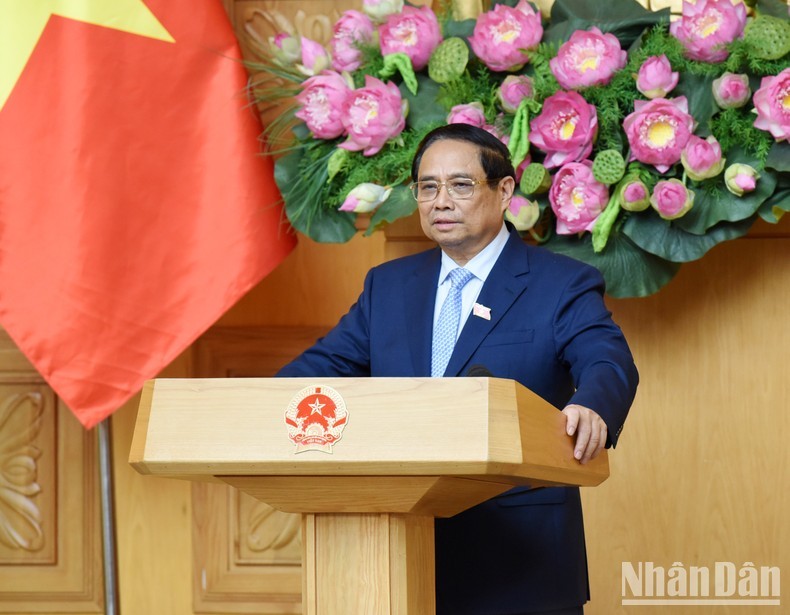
(443, 200)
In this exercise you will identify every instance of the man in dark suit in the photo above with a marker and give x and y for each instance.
(521, 312)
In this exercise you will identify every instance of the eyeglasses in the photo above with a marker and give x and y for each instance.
(460, 188)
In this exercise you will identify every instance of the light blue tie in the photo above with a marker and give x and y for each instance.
(446, 330)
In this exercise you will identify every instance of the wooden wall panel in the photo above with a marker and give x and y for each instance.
(50, 559)
(28, 527)
(246, 554)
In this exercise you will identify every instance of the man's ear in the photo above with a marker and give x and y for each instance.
(507, 187)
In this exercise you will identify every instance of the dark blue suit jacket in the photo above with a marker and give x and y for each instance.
(549, 330)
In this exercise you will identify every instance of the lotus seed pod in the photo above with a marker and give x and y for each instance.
(768, 37)
(535, 179)
(608, 167)
(448, 60)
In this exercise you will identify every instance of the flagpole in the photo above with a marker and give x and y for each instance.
(111, 602)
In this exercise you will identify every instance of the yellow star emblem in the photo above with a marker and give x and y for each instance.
(23, 21)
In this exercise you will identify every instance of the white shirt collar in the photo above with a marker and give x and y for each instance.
(482, 263)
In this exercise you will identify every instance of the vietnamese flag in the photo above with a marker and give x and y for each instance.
(134, 207)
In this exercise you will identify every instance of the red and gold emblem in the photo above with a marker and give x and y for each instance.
(316, 417)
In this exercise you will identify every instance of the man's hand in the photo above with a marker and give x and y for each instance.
(590, 431)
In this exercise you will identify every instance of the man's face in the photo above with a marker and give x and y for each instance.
(462, 228)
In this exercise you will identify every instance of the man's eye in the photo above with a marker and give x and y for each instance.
(428, 188)
(461, 186)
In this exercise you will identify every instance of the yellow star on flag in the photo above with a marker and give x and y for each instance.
(23, 21)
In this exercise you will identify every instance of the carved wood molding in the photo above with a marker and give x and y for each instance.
(50, 558)
(246, 555)
(225, 579)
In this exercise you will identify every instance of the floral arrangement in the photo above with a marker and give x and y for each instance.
(640, 142)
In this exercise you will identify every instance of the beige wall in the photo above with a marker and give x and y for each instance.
(701, 471)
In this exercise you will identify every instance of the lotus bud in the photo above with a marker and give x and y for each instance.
(731, 91)
(522, 213)
(365, 198)
(740, 178)
(633, 194)
(671, 199)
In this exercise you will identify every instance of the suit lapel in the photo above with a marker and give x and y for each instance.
(419, 297)
(503, 286)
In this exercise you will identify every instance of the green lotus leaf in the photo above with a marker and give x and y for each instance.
(324, 225)
(775, 207)
(628, 271)
(777, 8)
(399, 204)
(714, 204)
(461, 29)
(626, 20)
(320, 224)
(698, 90)
(653, 234)
(779, 157)
(423, 108)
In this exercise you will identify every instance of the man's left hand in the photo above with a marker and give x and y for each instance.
(590, 431)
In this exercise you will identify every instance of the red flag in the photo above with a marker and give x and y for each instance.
(134, 209)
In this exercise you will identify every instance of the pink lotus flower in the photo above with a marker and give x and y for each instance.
(576, 198)
(379, 10)
(740, 178)
(352, 29)
(323, 99)
(286, 49)
(707, 27)
(655, 78)
(513, 90)
(731, 91)
(522, 213)
(373, 115)
(588, 58)
(671, 199)
(365, 198)
(470, 113)
(502, 35)
(658, 130)
(702, 158)
(565, 129)
(314, 58)
(772, 102)
(633, 195)
(414, 32)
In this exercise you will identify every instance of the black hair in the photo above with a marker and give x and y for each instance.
(494, 155)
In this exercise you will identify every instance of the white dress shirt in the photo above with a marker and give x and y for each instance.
(480, 266)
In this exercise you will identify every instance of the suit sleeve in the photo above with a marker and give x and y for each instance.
(345, 350)
(595, 350)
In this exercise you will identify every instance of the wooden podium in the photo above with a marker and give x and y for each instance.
(368, 461)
